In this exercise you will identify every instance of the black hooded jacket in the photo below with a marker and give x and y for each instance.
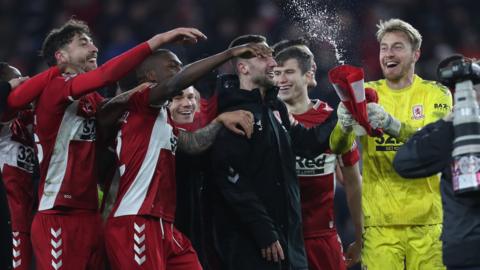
(257, 198)
(428, 152)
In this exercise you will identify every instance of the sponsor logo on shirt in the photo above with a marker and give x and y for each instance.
(321, 165)
(387, 143)
(441, 106)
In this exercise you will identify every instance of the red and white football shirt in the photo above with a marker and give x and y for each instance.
(65, 143)
(17, 161)
(146, 145)
(317, 178)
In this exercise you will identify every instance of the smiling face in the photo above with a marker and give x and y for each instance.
(258, 69)
(292, 83)
(80, 52)
(183, 107)
(397, 56)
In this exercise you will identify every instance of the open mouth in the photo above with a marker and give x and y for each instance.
(391, 64)
(186, 113)
(284, 87)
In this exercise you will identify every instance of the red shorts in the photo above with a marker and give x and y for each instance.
(325, 253)
(22, 251)
(71, 241)
(140, 242)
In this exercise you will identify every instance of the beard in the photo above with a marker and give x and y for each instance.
(264, 81)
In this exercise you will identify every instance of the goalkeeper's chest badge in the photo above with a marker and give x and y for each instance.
(417, 112)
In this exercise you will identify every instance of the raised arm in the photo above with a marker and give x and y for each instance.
(110, 112)
(28, 91)
(118, 67)
(193, 72)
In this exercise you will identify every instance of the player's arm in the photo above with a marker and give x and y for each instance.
(230, 154)
(118, 67)
(437, 106)
(239, 122)
(428, 151)
(111, 111)
(28, 91)
(353, 190)
(193, 72)
(310, 142)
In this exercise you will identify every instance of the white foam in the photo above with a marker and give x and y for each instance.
(318, 24)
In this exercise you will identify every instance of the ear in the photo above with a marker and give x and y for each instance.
(309, 76)
(416, 55)
(61, 57)
(242, 68)
(151, 76)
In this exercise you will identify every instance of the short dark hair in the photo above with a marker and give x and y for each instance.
(287, 43)
(138, 75)
(149, 64)
(245, 39)
(59, 37)
(304, 59)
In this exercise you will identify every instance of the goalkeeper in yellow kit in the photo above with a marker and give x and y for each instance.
(402, 217)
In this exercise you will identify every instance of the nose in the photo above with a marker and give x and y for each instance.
(93, 48)
(271, 62)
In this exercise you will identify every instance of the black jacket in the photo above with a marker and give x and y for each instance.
(258, 200)
(429, 151)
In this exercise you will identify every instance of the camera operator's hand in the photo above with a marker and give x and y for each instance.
(345, 118)
(379, 118)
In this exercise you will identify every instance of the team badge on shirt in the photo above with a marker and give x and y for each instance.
(417, 112)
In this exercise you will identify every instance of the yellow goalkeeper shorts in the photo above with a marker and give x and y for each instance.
(409, 247)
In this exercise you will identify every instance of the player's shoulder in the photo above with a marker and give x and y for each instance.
(433, 86)
(375, 84)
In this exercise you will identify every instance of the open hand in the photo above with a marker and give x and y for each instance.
(239, 122)
(251, 50)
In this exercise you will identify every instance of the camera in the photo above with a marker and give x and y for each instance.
(462, 73)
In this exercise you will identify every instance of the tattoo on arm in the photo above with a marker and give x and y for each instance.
(200, 140)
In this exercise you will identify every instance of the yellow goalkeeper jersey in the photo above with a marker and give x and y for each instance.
(387, 198)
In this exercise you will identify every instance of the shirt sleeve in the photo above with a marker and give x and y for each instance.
(437, 106)
(309, 142)
(108, 73)
(235, 182)
(351, 157)
(30, 90)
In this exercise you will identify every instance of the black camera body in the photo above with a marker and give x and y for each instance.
(463, 73)
(456, 69)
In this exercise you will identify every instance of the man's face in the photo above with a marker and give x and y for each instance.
(260, 69)
(397, 58)
(80, 52)
(167, 65)
(183, 107)
(292, 83)
(312, 81)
